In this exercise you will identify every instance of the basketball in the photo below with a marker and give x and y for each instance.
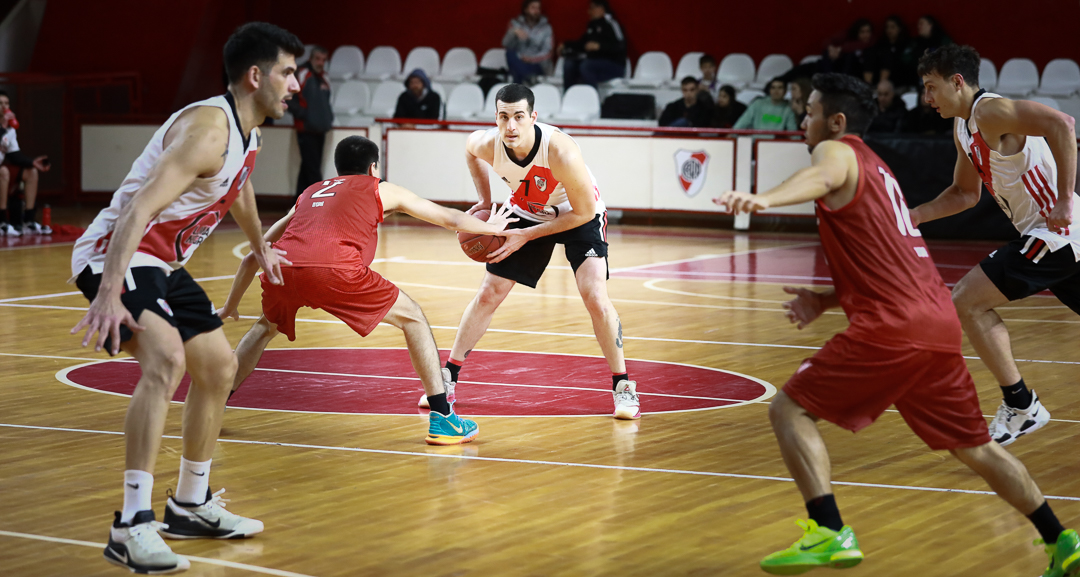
(477, 246)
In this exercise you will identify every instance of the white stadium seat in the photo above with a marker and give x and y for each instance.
(580, 104)
(351, 98)
(548, 100)
(736, 69)
(987, 75)
(556, 77)
(653, 69)
(1018, 77)
(689, 65)
(347, 62)
(810, 58)
(910, 99)
(423, 57)
(1047, 101)
(466, 102)
(1061, 77)
(458, 64)
(771, 66)
(384, 100)
(441, 91)
(384, 62)
(748, 95)
(489, 102)
(494, 58)
(307, 54)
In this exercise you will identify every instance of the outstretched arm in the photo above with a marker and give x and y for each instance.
(396, 198)
(961, 195)
(249, 266)
(479, 154)
(832, 163)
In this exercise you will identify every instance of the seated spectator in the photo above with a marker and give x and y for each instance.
(708, 81)
(528, 43)
(419, 101)
(859, 42)
(833, 59)
(929, 37)
(891, 56)
(727, 110)
(800, 90)
(771, 113)
(923, 119)
(694, 109)
(891, 110)
(600, 54)
(15, 166)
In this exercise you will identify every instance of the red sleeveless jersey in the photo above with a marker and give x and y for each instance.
(884, 277)
(335, 224)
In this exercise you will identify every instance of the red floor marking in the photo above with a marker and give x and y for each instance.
(587, 383)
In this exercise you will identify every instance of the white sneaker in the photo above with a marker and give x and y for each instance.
(8, 230)
(626, 401)
(448, 384)
(1010, 424)
(31, 228)
(139, 547)
(207, 521)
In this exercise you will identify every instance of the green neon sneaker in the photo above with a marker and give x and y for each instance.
(450, 430)
(819, 547)
(1064, 555)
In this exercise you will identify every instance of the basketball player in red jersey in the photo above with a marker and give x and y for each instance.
(129, 264)
(330, 237)
(902, 346)
(1025, 154)
(554, 194)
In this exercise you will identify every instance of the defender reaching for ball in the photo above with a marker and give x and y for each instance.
(330, 237)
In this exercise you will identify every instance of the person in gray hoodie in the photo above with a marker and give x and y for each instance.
(313, 115)
(528, 42)
(419, 100)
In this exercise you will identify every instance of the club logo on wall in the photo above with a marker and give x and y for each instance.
(690, 168)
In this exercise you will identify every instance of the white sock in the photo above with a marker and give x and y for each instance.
(194, 481)
(138, 487)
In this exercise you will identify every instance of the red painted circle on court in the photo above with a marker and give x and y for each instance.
(382, 381)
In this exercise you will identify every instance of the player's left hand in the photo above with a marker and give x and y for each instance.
(515, 239)
(501, 217)
(225, 313)
(736, 202)
(1060, 217)
(270, 260)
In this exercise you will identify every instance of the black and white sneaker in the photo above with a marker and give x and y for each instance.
(138, 547)
(1009, 424)
(209, 520)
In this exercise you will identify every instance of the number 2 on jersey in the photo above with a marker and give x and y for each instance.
(903, 217)
(321, 193)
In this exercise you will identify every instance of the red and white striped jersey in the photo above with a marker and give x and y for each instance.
(172, 235)
(536, 196)
(1023, 184)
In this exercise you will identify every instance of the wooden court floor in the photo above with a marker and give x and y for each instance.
(679, 493)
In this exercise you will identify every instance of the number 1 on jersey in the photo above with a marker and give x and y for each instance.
(903, 217)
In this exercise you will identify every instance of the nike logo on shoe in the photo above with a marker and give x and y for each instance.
(809, 547)
(197, 474)
(135, 486)
(455, 427)
(122, 557)
(214, 524)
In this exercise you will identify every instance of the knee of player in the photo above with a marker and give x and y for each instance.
(165, 371)
(597, 301)
(782, 409)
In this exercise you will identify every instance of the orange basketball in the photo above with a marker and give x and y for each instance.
(477, 246)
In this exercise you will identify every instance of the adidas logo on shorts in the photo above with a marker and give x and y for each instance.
(592, 252)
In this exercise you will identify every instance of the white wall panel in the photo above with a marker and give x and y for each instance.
(719, 175)
(776, 161)
(108, 151)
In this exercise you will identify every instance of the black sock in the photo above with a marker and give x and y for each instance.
(30, 215)
(1047, 523)
(1017, 396)
(230, 395)
(619, 377)
(454, 369)
(823, 510)
(439, 404)
(7, 215)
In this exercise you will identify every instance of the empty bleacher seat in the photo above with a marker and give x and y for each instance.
(384, 100)
(748, 95)
(423, 57)
(910, 99)
(548, 100)
(771, 66)
(347, 62)
(810, 58)
(351, 98)
(1061, 77)
(581, 103)
(458, 64)
(653, 69)
(384, 62)
(689, 65)
(987, 75)
(439, 89)
(466, 102)
(307, 54)
(736, 69)
(1052, 103)
(489, 102)
(494, 58)
(556, 77)
(1018, 77)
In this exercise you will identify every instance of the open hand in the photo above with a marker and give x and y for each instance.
(515, 239)
(104, 318)
(270, 260)
(736, 202)
(805, 308)
(501, 217)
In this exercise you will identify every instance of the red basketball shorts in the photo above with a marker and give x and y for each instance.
(850, 383)
(359, 297)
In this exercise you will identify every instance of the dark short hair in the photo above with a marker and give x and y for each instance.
(516, 93)
(525, 5)
(258, 44)
(841, 93)
(705, 59)
(4, 93)
(952, 59)
(354, 155)
(319, 48)
(729, 89)
(601, 4)
(777, 79)
(688, 80)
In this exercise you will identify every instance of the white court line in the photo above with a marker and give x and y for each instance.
(221, 562)
(47, 245)
(538, 462)
(711, 256)
(72, 293)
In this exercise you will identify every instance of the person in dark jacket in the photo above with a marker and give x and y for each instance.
(419, 101)
(923, 119)
(727, 110)
(891, 56)
(313, 115)
(891, 110)
(694, 109)
(600, 54)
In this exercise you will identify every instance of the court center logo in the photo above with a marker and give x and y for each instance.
(691, 168)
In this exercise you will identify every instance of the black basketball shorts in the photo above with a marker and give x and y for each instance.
(176, 297)
(1027, 266)
(528, 263)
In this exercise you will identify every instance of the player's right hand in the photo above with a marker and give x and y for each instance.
(223, 313)
(805, 308)
(104, 318)
(501, 217)
(737, 202)
(271, 259)
(479, 206)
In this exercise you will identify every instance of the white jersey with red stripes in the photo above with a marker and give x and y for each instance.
(172, 235)
(536, 196)
(1023, 184)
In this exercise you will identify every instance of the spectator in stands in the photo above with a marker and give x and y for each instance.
(923, 119)
(313, 115)
(929, 36)
(600, 54)
(419, 101)
(891, 110)
(708, 82)
(694, 109)
(727, 110)
(892, 56)
(800, 90)
(772, 113)
(859, 42)
(528, 42)
(15, 166)
(833, 59)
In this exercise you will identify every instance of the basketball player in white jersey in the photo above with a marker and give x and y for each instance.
(129, 264)
(1025, 154)
(555, 197)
